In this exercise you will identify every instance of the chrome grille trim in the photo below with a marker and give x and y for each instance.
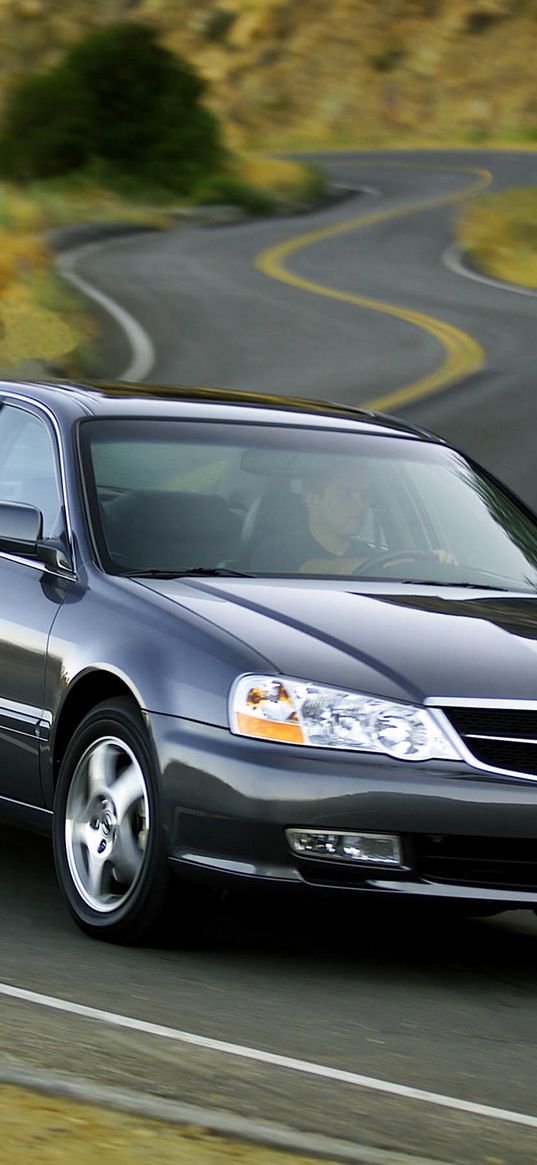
(503, 739)
(472, 702)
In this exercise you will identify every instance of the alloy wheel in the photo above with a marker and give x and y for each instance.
(107, 822)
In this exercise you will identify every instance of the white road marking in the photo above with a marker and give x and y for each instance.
(143, 353)
(454, 259)
(277, 1061)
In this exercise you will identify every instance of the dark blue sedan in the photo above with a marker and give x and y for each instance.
(255, 640)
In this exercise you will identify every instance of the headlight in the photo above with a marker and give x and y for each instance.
(296, 712)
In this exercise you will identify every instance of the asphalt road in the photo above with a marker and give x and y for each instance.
(425, 1001)
(443, 1005)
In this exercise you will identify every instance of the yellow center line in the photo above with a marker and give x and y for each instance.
(463, 355)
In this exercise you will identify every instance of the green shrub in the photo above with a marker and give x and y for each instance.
(46, 126)
(119, 103)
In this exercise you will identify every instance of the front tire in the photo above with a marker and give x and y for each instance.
(109, 847)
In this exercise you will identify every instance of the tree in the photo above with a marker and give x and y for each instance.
(118, 102)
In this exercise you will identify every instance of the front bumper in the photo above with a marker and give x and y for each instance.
(227, 801)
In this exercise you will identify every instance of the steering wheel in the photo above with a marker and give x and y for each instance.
(394, 556)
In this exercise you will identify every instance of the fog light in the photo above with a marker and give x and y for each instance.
(370, 847)
(321, 845)
(377, 849)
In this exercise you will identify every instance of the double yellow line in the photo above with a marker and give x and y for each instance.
(463, 355)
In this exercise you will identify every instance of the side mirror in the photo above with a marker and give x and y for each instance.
(21, 532)
(21, 528)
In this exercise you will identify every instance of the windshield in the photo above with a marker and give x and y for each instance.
(172, 497)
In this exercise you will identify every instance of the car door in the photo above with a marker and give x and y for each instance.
(30, 595)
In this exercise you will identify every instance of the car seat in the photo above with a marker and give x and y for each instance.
(169, 530)
(275, 512)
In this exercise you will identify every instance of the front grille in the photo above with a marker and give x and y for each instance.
(504, 738)
(498, 863)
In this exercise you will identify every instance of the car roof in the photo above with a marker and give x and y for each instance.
(102, 398)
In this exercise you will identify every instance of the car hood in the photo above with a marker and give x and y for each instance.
(408, 644)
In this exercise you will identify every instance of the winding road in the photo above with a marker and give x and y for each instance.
(355, 303)
(407, 1030)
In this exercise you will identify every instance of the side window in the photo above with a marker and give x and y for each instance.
(28, 470)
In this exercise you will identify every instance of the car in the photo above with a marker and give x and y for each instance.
(257, 641)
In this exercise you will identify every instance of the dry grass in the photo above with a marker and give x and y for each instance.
(64, 203)
(54, 1131)
(19, 254)
(287, 181)
(358, 73)
(39, 321)
(32, 332)
(40, 318)
(499, 235)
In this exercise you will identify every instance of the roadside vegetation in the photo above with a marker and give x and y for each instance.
(41, 323)
(117, 132)
(498, 234)
(56, 1129)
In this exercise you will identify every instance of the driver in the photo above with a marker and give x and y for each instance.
(336, 504)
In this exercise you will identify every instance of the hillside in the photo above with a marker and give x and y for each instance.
(318, 72)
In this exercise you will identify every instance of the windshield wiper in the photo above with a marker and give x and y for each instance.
(476, 586)
(197, 571)
(428, 582)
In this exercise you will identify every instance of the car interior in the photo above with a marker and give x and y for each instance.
(176, 529)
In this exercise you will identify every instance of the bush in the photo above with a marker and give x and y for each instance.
(230, 188)
(262, 185)
(119, 103)
(46, 128)
(498, 233)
